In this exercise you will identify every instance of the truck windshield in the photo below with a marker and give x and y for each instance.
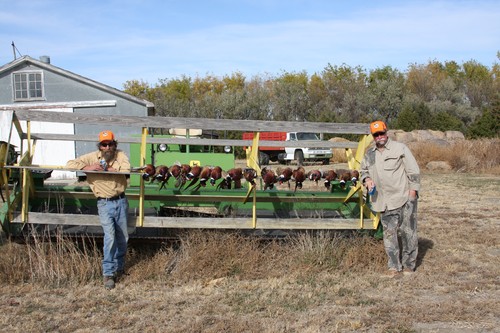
(307, 136)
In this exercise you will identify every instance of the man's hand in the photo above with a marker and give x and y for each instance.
(413, 194)
(369, 183)
(93, 167)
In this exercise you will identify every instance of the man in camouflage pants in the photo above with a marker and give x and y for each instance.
(391, 174)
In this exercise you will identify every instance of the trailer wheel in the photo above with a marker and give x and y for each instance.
(263, 158)
(299, 157)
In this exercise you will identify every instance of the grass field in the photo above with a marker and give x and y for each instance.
(210, 281)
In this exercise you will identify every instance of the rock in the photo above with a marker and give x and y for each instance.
(404, 137)
(438, 165)
(438, 134)
(454, 135)
(422, 135)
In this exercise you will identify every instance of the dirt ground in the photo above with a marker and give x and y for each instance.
(456, 287)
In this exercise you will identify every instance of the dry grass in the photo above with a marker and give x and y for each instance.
(197, 256)
(482, 155)
(312, 282)
(50, 263)
(214, 281)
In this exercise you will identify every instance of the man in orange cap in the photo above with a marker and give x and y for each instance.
(112, 204)
(392, 176)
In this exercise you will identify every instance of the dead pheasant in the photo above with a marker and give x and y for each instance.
(298, 175)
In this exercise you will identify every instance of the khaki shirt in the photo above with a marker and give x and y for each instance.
(394, 171)
(102, 185)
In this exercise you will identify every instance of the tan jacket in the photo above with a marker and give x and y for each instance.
(102, 185)
(394, 171)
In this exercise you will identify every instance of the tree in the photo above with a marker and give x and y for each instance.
(488, 124)
(139, 89)
(317, 99)
(406, 120)
(419, 82)
(173, 98)
(256, 99)
(289, 98)
(347, 92)
(478, 82)
(443, 121)
(414, 116)
(386, 86)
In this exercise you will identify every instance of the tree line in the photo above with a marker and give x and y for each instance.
(437, 95)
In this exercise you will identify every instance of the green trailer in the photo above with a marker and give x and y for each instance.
(191, 153)
(31, 198)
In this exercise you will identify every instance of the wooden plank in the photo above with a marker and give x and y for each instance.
(62, 168)
(201, 223)
(206, 124)
(210, 198)
(196, 141)
(59, 219)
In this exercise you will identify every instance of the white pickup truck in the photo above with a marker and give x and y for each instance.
(287, 154)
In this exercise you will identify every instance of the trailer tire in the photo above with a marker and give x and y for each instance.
(263, 158)
(299, 157)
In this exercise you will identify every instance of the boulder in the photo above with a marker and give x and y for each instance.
(454, 135)
(404, 137)
(422, 135)
(438, 134)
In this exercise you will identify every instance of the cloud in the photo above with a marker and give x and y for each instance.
(113, 42)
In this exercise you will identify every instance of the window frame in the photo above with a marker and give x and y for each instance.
(28, 89)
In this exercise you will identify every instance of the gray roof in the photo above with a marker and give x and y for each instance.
(49, 67)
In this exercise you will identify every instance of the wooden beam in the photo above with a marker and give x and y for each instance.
(196, 141)
(206, 124)
(206, 198)
(201, 222)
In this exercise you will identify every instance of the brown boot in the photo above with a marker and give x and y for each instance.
(391, 274)
(109, 282)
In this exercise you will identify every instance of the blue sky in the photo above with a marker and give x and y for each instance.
(119, 40)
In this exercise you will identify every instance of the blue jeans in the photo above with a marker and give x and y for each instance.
(113, 216)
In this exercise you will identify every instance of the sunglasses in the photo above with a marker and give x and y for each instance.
(376, 135)
(111, 144)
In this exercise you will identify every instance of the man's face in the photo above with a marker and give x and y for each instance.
(108, 150)
(380, 138)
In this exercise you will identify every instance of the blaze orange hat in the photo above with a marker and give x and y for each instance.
(378, 126)
(106, 136)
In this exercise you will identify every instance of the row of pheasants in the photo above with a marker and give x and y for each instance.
(187, 176)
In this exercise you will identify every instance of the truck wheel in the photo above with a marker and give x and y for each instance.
(299, 157)
(263, 158)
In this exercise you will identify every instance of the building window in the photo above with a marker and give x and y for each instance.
(28, 86)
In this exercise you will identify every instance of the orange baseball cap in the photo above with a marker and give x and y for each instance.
(106, 136)
(378, 126)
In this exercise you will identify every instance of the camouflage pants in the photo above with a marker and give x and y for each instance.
(402, 220)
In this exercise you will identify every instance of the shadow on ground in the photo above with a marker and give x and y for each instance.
(424, 245)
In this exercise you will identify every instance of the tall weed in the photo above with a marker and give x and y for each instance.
(50, 260)
(481, 155)
(199, 255)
